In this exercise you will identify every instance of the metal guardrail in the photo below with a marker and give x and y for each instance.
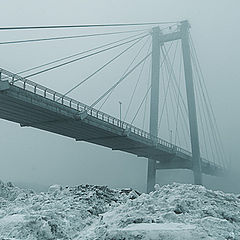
(50, 94)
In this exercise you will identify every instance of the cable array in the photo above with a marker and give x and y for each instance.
(80, 53)
(205, 106)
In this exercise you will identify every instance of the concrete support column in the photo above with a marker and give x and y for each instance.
(151, 173)
(192, 115)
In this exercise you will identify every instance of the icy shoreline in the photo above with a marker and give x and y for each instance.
(177, 211)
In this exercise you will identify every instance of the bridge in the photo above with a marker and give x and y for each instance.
(30, 104)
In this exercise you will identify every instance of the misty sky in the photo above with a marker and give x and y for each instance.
(31, 155)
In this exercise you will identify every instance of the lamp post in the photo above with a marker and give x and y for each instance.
(120, 110)
(171, 136)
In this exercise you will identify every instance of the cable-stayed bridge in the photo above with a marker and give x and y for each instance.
(30, 104)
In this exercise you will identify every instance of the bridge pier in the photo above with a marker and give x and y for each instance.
(151, 173)
(192, 113)
(183, 35)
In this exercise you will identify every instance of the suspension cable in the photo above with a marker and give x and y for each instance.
(200, 105)
(142, 102)
(171, 70)
(217, 145)
(174, 112)
(80, 58)
(176, 95)
(203, 86)
(141, 105)
(148, 83)
(168, 85)
(84, 25)
(79, 53)
(119, 81)
(137, 82)
(175, 81)
(178, 103)
(102, 67)
(175, 91)
(165, 104)
(215, 125)
(207, 122)
(66, 37)
(124, 73)
(170, 94)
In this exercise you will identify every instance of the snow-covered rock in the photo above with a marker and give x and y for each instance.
(61, 213)
(168, 212)
(88, 212)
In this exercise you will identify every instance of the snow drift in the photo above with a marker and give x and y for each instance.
(177, 211)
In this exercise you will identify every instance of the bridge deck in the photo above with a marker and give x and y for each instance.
(30, 104)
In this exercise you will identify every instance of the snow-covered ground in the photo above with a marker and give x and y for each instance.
(177, 211)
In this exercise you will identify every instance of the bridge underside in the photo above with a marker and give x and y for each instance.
(29, 109)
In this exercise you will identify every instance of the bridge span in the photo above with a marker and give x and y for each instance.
(32, 105)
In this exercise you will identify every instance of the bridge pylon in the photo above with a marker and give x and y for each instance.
(158, 39)
(192, 113)
(151, 173)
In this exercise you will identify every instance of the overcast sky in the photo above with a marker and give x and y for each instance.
(31, 155)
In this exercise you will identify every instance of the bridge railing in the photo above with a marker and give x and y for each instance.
(52, 95)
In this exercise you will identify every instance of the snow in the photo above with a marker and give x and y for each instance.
(157, 231)
(87, 212)
(158, 227)
(16, 218)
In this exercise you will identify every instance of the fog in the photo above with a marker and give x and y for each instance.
(34, 157)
